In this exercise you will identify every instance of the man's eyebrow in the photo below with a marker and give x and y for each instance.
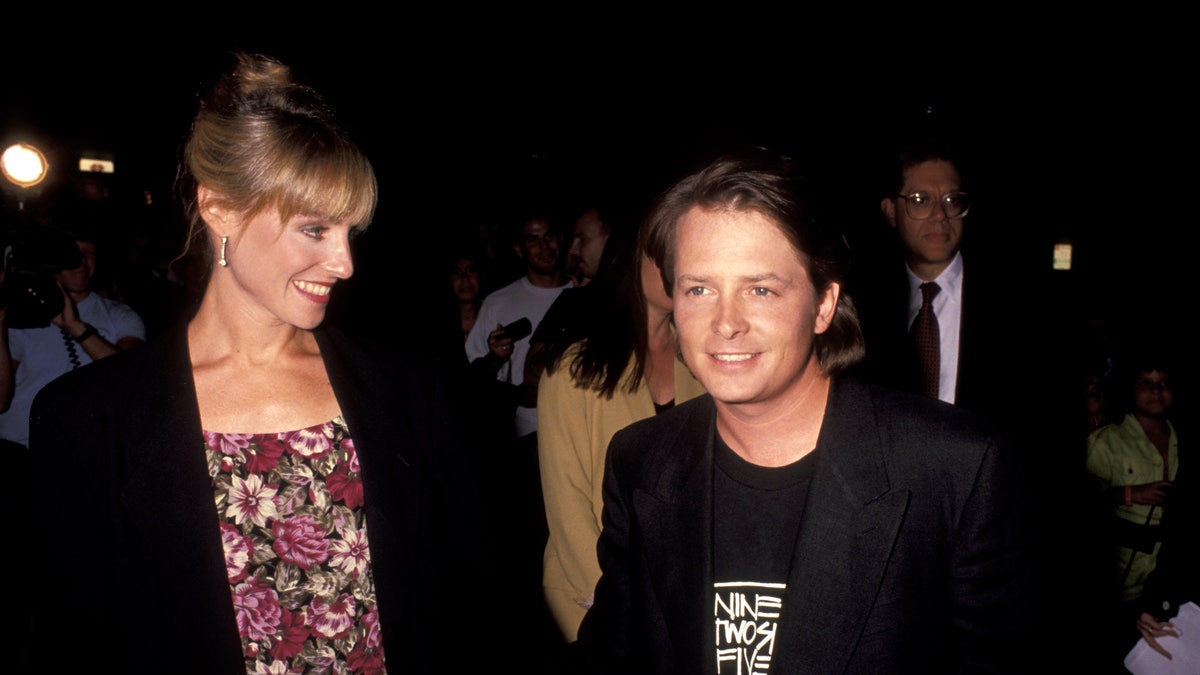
(748, 279)
(766, 276)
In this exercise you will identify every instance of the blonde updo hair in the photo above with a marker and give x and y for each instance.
(262, 141)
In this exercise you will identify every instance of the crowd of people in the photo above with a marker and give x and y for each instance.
(699, 433)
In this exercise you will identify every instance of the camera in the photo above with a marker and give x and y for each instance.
(32, 256)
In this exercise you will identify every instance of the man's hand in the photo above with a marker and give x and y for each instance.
(500, 346)
(68, 318)
(1150, 628)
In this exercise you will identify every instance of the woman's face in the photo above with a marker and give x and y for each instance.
(652, 286)
(285, 271)
(465, 280)
(1152, 395)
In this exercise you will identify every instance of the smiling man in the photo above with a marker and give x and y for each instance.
(795, 520)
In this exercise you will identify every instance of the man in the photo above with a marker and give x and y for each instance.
(587, 245)
(526, 298)
(961, 311)
(89, 327)
(928, 209)
(795, 520)
(567, 318)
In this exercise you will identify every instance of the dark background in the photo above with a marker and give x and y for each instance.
(1087, 141)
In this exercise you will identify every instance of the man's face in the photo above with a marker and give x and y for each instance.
(79, 279)
(745, 309)
(931, 242)
(539, 247)
(588, 243)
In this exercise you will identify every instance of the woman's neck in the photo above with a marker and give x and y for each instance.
(219, 332)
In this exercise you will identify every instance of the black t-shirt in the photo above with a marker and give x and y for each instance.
(756, 517)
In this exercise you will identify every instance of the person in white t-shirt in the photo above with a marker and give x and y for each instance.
(89, 328)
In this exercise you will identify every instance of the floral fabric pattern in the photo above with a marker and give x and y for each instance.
(294, 534)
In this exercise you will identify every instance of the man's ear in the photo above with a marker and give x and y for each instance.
(518, 251)
(889, 210)
(214, 210)
(826, 308)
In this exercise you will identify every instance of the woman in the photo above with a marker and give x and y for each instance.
(466, 280)
(623, 370)
(328, 468)
(1135, 462)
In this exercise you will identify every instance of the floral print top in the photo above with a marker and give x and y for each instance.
(295, 539)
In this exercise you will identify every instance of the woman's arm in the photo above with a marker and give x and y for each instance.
(566, 459)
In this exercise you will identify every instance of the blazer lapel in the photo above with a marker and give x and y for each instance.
(168, 496)
(383, 427)
(676, 513)
(851, 520)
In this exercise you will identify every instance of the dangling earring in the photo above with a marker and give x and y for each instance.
(223, 262)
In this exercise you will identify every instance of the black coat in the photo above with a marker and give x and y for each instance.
(910, 556)
(134, 576)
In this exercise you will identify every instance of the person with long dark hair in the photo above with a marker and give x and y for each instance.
(615, 366)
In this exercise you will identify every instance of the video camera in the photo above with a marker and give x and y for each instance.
(32, 256)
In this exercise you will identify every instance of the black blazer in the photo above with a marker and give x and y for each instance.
(910, 557)
(134, 574)
(985, 354)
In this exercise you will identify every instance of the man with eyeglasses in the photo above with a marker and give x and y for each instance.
(938, 324)
(928, 211)
(977, 329)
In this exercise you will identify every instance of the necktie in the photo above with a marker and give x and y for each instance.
(927, 340)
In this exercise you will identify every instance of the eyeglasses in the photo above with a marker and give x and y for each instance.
(919, 205)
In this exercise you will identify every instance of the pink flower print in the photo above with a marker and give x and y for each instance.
(332, 620)
(350, 553)
(275, 668)
(256, 605)
(238, 549)
(251, 500)
(312, 442)
(227, 444)
(351, 454)
(300, 540)
(373, 638)
(365, 660)
(264, 456)
(289, 641)
(345, 485)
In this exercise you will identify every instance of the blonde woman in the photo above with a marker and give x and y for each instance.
(328, 467)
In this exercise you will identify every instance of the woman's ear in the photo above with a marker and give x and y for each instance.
(215, 211)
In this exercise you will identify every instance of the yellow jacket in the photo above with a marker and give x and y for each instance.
(574, 428)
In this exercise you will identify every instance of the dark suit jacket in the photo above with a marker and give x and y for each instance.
(134, 574)
(910, 557)
(989, 353)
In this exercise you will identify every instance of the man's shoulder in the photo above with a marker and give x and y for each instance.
(518, 288)
(923, 412)
(910, 426)
(121, 315)
(652, 440)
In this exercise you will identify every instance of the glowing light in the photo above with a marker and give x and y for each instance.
(23, 165)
